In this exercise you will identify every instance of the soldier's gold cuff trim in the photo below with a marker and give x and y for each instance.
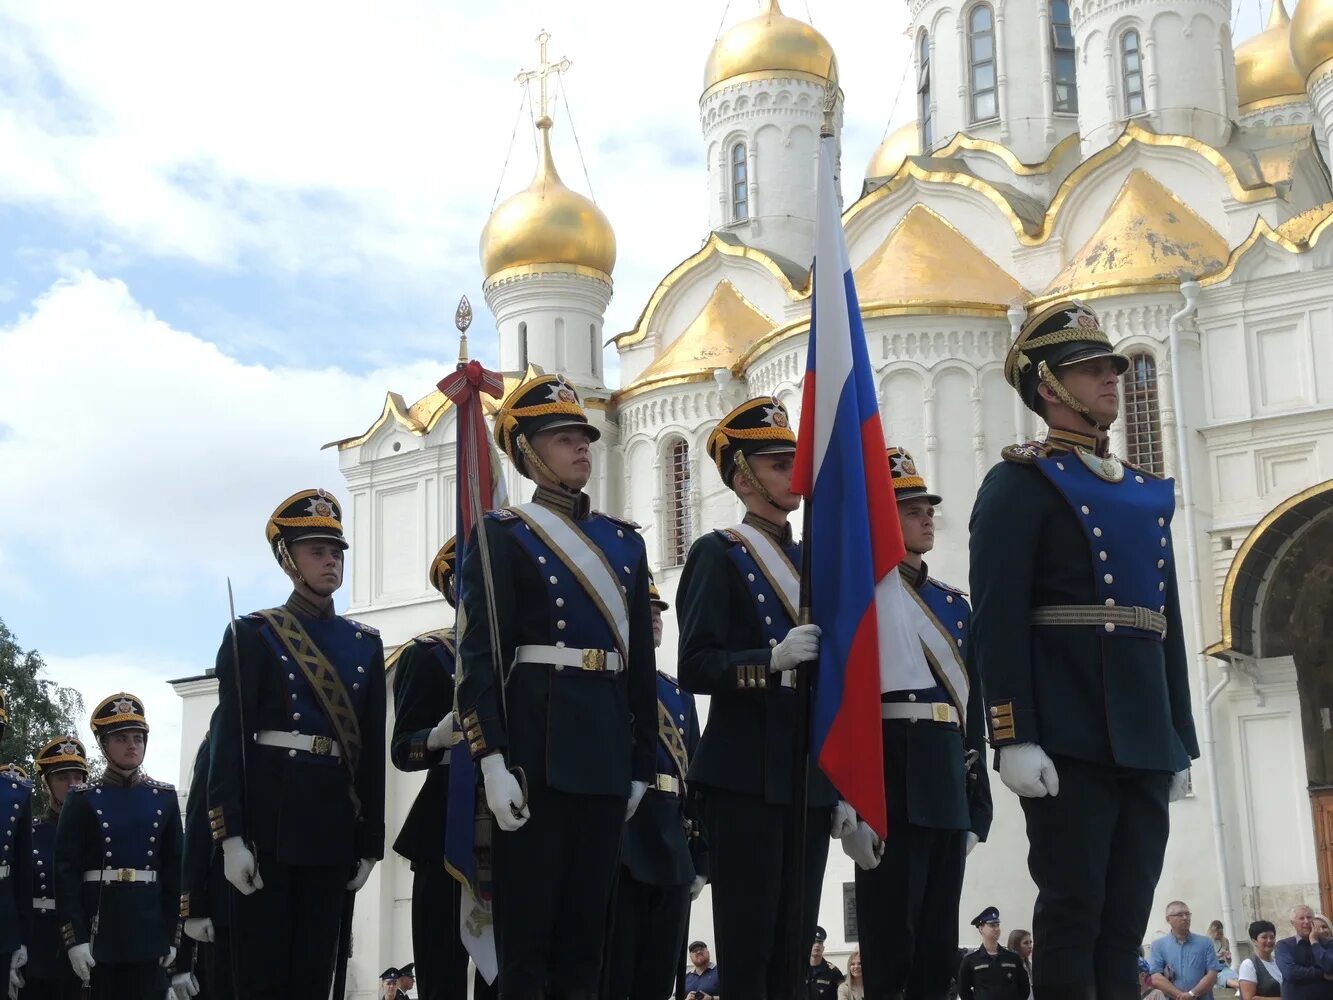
(1002, 722)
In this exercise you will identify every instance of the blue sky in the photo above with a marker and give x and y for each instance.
(227, 230)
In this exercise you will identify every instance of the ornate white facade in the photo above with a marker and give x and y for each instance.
(1123, 206)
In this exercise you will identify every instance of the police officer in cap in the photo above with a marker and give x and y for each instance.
(936, 788)
(560, 715)
(992, 972)
(662, 862)
(424, 730)
(15, 871)
(740, 644)
(389, 984)
(1077, 635)
(61, 764)
(822, 977)
(206, 952)
(296, 779)
(117, 864)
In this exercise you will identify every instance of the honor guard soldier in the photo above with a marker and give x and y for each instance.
(61, 764)
(992, 972)
(204, 891)
(662, 862)
(560, 714)
(296, 779)
(117, 861)
(739, 644)
(936, 787)
(424, 730)
(15, 870)
(1077, 636)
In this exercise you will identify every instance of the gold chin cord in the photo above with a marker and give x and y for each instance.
(743, 467)
(288, 563)
(534, 463)
(1061, 393)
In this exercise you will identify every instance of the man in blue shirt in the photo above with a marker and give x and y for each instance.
(1184, 965)
(1306, 960)
(702, 981)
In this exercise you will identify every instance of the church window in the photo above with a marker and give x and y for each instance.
(981, 59)
(676, 496)
(594, 351)
(1131, 69)
(1062, 58)
(740, 184)
(1143, 419)
(523, 346)
(923, 95)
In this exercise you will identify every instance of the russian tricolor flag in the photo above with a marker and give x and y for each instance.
(855, 540)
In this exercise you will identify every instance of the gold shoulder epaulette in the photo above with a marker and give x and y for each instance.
(1026, 453)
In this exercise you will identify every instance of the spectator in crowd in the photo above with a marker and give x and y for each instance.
(1020, 943)
(1147, 991)
(1184, 965)
(1220, 943)
(702, 980)
(853, 987)
(1322, 927)
(823, 977)
(1260, 978)
(1305, 960)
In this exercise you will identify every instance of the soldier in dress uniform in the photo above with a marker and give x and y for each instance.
(936, 788)
(740, 644)
(61, 764)
(662, 862)
(15, 872)
(117, 864)
(204, 890)
(992, 972)
(1077, 636)
(424, 730)
(296, 776)
(566, 741)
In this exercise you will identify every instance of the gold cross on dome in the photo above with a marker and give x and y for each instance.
(543, 70)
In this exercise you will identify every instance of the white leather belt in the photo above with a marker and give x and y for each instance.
(320, 746)
(120, 875)
(44, 903)
(592, 660)
(937, 711)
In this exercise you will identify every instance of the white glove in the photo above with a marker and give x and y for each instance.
(504, 795)
(199, 929)
(636, 790)
(445, 734)
(81, 958)
(1180, 783)
(800, 646)
(184, 985)
(697, 886)
(20, 958)
(972, 841)
(166, 960)
(844, 820)
(863, 846)
(238, 865)
(1027, 771)
(363, 869)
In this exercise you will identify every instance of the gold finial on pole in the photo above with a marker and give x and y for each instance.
(543, 70)
(463, 320)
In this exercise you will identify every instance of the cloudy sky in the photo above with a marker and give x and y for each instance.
(227, 229)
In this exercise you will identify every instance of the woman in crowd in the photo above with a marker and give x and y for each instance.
(1220, 943)
(854, 986)
(1020, 943)
(1260, 978)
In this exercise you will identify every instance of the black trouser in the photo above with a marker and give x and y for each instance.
(441, 959)
(747, 838)
(907, 913)
(128, 981)
(290, 924)
(553, 881)
(648, 939)
(51, 989)
(1095, 852)
(212, 966)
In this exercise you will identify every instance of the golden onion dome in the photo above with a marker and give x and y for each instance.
(902, 142)
(772, 42)
(1265, 71)
(546, 225)
(1312, 36)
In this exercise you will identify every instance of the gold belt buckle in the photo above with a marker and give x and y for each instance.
(594, 659)
(322, 745)
(939, 712)
(125, 875)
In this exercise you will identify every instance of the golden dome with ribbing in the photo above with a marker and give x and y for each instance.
(1265, 72)
(901, 143)
(772, 42)
(1312, 36)
(547, 225)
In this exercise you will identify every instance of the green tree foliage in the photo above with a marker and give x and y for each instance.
(39, 708)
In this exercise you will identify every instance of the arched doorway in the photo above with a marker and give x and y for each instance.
(1278, 602)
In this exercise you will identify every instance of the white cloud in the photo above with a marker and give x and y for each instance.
(139, 453)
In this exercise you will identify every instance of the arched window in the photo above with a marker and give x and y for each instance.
(981, 60)
(1131, 71)
(740, 184)
(594, 351)
(676, 504)
(1143, 419)
(1062, 58)
(923, 94)
(523, 346)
